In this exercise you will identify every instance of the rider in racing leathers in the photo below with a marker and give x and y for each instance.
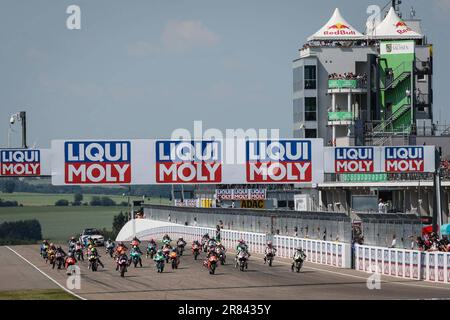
(270, 249)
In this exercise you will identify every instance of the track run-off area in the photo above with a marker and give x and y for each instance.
(25, 269)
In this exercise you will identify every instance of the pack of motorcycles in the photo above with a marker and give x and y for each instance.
(57, 259)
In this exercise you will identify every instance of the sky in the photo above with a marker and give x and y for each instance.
(141, 69)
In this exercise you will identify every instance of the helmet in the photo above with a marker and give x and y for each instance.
(206, 235)
(159, 251)
(109, 239)
(121, 243)
(269, 243)
(299, 249)
(241, 241)
(52, 245)
(70, 254)
(180, 238)
(73, 238)
(218, 243)
(93, 249)
(78, 242)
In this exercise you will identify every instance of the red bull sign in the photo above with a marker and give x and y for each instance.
(338, 29)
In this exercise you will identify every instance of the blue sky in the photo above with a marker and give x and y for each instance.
(140, 69)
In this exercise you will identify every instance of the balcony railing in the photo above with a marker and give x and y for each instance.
(340, 116)
(346, 84)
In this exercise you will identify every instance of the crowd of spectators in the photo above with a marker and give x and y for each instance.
(432, 242)
(347, 76)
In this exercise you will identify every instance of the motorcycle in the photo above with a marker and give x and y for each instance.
(51, 258)
(79, 253)
(166, 242)
(195, 251)
(160, 265)
(174, 260)
(122, 261)
(166, 252)
(59, 260)
(269, 257)
(93, 262)
(70, 261)
(136, 257)
(151, 251)
(242, 261)
(222, 256)
(211, 264)
(298, 263)
(44, 253)
(205, 245)
(180, 248)
(110, 250)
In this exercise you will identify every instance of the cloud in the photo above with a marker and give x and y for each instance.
(184, 35)
(142, 49)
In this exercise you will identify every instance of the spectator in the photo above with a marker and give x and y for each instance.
(394, 241)
(381, 206)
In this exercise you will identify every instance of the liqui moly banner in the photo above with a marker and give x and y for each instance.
(284, 161)
(398, 159)
(188, 161)
(352, 159)
(25, 162)
(406, 159)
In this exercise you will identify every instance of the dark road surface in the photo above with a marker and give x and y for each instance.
(192, 280)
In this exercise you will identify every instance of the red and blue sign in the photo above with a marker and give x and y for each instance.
(181, 161)
(354, 160)
(279, 161)
(404, 159)
(20, 163)
(97, 162)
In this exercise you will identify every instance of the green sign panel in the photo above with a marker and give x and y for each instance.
(364, 177)
(340, 116)
(341, 83)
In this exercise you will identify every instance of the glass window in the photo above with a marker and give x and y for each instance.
(310, 133)
(297, 77)
(310, 109)
(310, 77)
(298, 110)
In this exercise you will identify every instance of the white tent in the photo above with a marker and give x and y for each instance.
(337, 28)
(392, 27)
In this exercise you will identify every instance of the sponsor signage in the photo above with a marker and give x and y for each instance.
(339, 29)
(400, 47)
(24, 162)
(253, 204)
(188, 162)
(240, 194)
(97, 162)
(373, 163)
(284, 161)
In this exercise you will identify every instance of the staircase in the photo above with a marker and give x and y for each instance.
(389, 121)
(400, 73)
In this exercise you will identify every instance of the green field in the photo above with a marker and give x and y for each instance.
(47, 294)
(60, 223)
(45, 199)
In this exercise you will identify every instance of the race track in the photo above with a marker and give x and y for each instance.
(192, 280)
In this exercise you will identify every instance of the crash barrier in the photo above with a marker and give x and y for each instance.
(412, 264)
(313, 225)
(323, 252)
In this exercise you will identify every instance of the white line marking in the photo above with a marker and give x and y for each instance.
(51, 279)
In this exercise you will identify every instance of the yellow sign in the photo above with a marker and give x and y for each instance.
(253, 204)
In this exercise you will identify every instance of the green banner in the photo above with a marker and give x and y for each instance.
(341, 83)
(364, 177)
(340, 116)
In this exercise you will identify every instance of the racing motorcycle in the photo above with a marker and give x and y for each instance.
(269, 257)
(166, 252)
(160, 265)
(110, 249)
(298, 262)
(136, 258)
(59, 260)
(180, 247)
(151, 251)
(122, 261)
(211, 264)
(79, 253)
(93, 262)
(195, 251)
(221, 254)
(242, 261)
(51, 258)
(70, 261)
(175, 261)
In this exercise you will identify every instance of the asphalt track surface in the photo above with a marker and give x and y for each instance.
(192, 281)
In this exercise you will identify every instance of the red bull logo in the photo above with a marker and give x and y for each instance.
(339, 29)
(402, 27)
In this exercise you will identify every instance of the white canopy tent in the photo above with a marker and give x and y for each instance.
(337, 28)
(392, 27)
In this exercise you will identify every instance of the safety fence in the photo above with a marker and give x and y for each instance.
(411, 264)
(317, 251)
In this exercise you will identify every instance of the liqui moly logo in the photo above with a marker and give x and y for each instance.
(97, 162)
(353, 160)
(278, 161)
(20, 163)
(404, 159)
(188, 162)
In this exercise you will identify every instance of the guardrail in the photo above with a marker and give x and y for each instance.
(412, 264)
(323, 252)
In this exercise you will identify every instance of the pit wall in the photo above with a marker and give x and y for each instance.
(410, 264)
(323, 252)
